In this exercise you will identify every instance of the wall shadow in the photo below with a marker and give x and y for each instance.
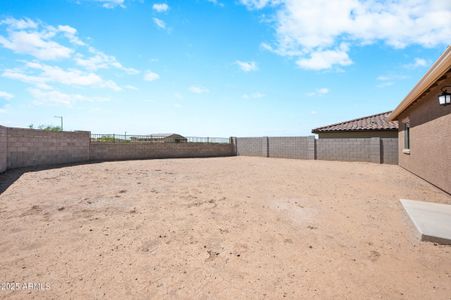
(9, 177)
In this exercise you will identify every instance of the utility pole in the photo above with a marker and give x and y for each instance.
(61, 119)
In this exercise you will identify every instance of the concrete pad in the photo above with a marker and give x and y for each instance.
(432, 220)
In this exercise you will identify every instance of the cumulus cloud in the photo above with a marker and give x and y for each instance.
(112, 3)
(71, 34)
(151, 76)
(71, 76)
(259, 4)
(160, 7)
(198, 89)
(99, 60)
(55, 97)
(19, 23)
(417, 63)
(20, 75)
(28, 37)
(314, 31)
(42, 75)
(6, 95)
(246, 66)
(388, 80)
(61, 58)
(323, 60)
(25, 36)
(36, 44)
(160, 23)
(216, 2)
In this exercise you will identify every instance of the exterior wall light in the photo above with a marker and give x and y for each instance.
(445, 97)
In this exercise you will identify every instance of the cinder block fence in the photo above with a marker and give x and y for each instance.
(376, 150)
(29, 147)
(20, 147)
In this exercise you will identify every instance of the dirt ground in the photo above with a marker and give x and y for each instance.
(232, 228)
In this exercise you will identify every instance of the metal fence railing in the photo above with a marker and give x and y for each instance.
(173, 138)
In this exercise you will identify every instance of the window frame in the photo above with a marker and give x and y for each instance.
(406, 139)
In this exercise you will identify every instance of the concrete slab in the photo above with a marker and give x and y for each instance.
(432, 220)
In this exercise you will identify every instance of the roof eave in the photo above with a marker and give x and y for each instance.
(353, 130)
(437, 70)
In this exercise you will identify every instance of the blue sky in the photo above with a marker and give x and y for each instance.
(212, 67)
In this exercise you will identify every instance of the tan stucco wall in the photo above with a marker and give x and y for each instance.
(358, 134)
(430, 139)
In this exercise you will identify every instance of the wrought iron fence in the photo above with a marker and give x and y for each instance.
(173, 138)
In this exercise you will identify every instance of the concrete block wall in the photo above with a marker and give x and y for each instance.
(348, 149)
(389, 151)
(374, 150)
(3, 149)
(119, 151)
(31, 147)
(300, 147)
(252, 146)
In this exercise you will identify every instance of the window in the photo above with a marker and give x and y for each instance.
(406, 136)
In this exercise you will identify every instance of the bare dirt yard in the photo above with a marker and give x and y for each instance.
(233, 228)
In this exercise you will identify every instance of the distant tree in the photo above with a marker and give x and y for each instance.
(49, 128)
(46, 127)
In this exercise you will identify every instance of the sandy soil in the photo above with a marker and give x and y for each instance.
(219, 228)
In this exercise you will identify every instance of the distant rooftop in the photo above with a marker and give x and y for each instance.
(163, 135)
(369, 123)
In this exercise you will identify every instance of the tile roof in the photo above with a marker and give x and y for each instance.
(374, 122)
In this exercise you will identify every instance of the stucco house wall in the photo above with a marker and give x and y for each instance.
(430, 138)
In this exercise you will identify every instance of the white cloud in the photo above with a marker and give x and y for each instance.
(160, 23)
(36, 44)
(255, 95)
(389, 80)
(19, 23)
(40, 41)
(112, 3)
(246, 66)
(417, 63)
(198, 89)
(71, 34)
(68, 77)
(323, 91)
(131, 87)
(319, 92)
(6, 96)
(25, 36)
(41, 75)
(55, 97)
(18, 74)
(259, 4)
(100, 60)
(160, 7)
(216, 2)
(59, 43)
(312, 31)
(151, 76)
(323, 60)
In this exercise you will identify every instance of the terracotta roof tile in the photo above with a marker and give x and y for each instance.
(374, 122)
